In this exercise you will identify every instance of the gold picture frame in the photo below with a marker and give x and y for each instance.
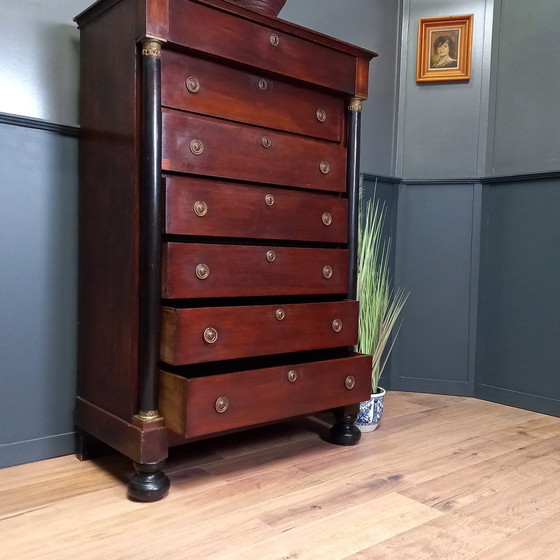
(444, 48)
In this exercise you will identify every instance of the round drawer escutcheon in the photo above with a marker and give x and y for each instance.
(210, 335)
(325, 167)
(350, 382)
(274, 40)
(326, 218)
(270, 256)
(263, 84)
(221, 404)
(269, 199)
(196, 146)
(327, 272)
(266, 142)
(292, 376)
(202, 271)
(280, 314)
(337, 325)
(192, 84)
(200, 208)
(321, 115)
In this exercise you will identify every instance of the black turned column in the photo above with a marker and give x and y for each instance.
(149, 483)
(353, 186)
(344, 432)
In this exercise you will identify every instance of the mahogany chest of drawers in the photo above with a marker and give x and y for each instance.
(218, 209)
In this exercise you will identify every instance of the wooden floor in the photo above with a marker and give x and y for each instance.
(442, 478)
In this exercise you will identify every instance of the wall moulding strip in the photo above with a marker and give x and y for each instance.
(544, 176)
(38, 124)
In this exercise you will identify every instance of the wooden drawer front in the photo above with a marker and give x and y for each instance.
(189, 406)
(206, 334)
(213, 208)
(218, 33)
(208, 146)
(197, 270)
(209, 88)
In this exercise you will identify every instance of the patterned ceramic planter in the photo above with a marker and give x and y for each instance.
(370, 412)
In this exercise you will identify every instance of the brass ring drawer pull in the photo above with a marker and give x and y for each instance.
(200, 208)
(350, 382)
(269, 199)
(210, 335)
(274, 40)
(325, 167)
(196, 146)
(327, 272)
(337, 325)
(221, 404)
(326, 218)
(192, 84)
(321, 115)
(292, 376)
(280, 314)
(202, 271)
(270, 256)
(266, 142)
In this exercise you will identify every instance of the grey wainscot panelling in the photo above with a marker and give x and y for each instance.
(519, 320)
(437, 261)
(518, 359)
(38, 233)
(38, 228)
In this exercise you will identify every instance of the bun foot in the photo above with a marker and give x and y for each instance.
(149, 484)
(344, 432)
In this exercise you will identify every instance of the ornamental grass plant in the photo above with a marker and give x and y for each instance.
(380, 304)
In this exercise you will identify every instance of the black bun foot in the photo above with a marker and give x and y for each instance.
(149, 484)
(344, 432)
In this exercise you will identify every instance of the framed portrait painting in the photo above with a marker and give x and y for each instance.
(444, 48)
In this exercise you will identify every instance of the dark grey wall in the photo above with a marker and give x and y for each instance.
(442, 126)
(503, 122)
(38, 250)
(524, 117)
(374, 26)
(437, 261)
(38, 69)
(38, 229)
(519, 312)
(441, 150)
(518, 354)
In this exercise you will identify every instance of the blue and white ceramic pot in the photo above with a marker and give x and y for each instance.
(371, 411)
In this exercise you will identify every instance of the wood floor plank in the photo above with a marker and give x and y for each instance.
(66, 532)
(451, 491)
(403, 403)
(539, 542)
(340, 535)
(527, 432)
(422, 435)
(475, 527)
(442, 478)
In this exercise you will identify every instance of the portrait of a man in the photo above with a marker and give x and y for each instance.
(444, 49)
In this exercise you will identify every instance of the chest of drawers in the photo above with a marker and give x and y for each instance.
(218, 208)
